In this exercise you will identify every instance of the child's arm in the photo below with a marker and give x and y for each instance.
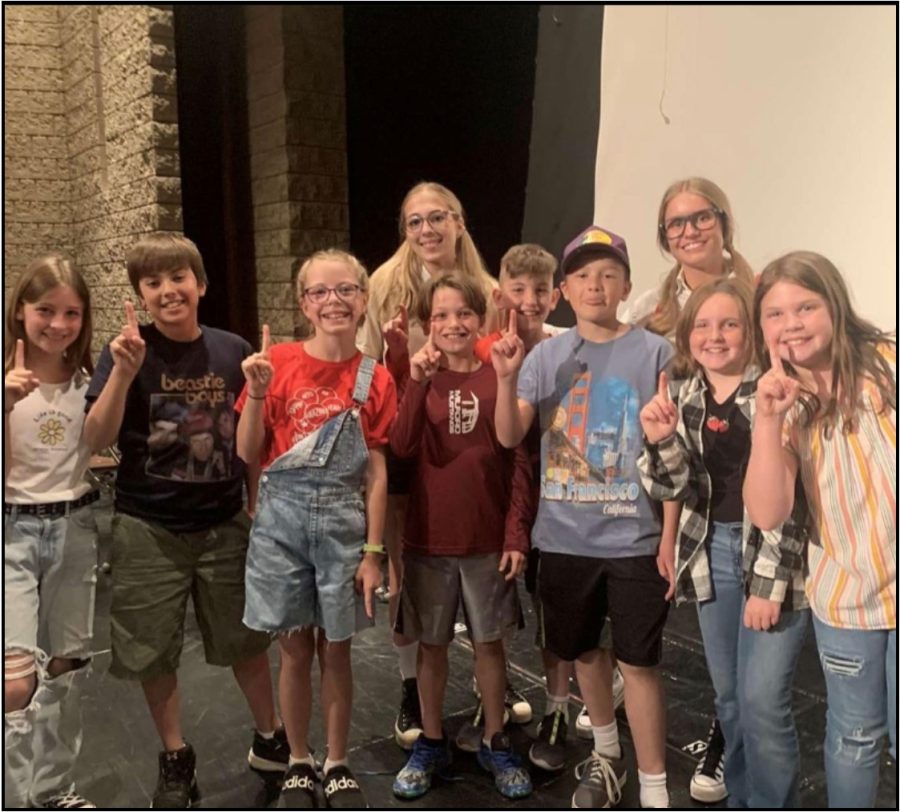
(18, 383)
(780, 556)
(772, 470)
(663, 462)
(368, 574)
(104, 420)
(665, 556)
(251, 428)
(512, 415)
(406, 434)
(519, 517)
(396, 349)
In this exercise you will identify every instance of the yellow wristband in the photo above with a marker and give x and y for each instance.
(374, 548)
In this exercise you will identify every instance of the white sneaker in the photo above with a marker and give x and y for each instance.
(583, 723)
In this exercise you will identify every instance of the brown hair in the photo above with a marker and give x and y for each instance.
(685, 364)
(529, 260)
(40, 276)
(666, 315)
(854, 343)
(163, 251)
(471, 292)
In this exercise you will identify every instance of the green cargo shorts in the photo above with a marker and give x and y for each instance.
(153, 573)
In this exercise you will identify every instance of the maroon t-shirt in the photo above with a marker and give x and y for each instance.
(470, 495)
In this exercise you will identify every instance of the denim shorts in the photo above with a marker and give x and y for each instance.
(50, 580)
(154, 571)
(306, 577)
(435, 586)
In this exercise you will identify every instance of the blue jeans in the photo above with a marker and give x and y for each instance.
(751, 673)
(860, 669)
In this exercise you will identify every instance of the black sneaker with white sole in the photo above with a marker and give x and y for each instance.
(342, 789)
(298, 790)
(408, 726)
(176, 787)
(708, 780)
(270, 755)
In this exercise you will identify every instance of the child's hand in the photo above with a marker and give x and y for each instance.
(19, 381)
(427, 360)
(659, 418)
(396, 334)
(665, 564)
(367, 580)
(776, 391)
(513, 564)
(258, 369)
(128, 348)
(761, 614)
(508, 352)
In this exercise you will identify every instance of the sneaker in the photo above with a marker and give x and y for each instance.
(426, 759)
(270, 755)
(600, 782)
(471, 734)
(68, 800)
(342, 789)
(176, 787)
(708, 780)
(583, 723)
(408, 726)
(510, 777)
(548, 751)
(298, 790)
(517, 706)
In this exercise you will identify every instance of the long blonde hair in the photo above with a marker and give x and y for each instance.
(854, 342)
(40, 276)
(400, 278)
(664, 319)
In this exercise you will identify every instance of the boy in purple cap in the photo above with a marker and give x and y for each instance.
(597, 531)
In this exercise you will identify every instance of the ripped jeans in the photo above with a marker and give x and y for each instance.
(860, 669)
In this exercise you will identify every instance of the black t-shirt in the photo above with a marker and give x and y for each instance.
(726, 450)
(178, 465)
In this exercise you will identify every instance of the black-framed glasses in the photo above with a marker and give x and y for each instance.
(346, 292)
(702, 220)
(436, 219)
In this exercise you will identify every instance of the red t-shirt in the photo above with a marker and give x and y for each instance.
(469, 495)
(305, 392)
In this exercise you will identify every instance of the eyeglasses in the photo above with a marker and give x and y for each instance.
(346, 292)
(435, 219)
(702, 220)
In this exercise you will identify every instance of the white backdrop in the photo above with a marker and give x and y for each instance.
(791, 110)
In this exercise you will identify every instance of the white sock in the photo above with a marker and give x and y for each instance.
(308, 760)
(406, 659)
(654, 793)
(269, 735)
(329, 764)
(606, 740)
(555, 703)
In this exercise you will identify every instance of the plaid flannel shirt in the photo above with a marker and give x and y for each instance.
(774, 561)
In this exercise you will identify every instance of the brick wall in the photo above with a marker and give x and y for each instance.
(297, 120)
(106, 147)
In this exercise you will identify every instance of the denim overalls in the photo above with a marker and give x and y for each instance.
(306, 541)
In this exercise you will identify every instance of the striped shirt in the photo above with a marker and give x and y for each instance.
(851, 485)
(674, 470)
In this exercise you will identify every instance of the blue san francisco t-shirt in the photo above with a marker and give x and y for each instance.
(588, 397)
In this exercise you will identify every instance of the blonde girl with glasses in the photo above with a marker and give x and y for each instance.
(434, 239)
(696, 227)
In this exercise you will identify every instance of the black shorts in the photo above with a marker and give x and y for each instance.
(577, 593)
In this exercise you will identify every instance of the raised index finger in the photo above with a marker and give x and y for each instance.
(772, 345)
(513, 327)
(20, 354)
(130, 316)
(265, 338)
(432, 333)
(663, 390)
(403, 315)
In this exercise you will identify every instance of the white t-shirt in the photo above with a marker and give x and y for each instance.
(49, 459)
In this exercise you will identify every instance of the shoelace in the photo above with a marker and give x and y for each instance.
(70, 800)
(600, 771)
(715, 752)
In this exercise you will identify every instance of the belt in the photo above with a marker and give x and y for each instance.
(51, 509)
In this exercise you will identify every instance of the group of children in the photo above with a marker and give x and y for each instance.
(750, 468)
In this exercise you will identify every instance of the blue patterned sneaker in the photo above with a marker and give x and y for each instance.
(427, 758)
(510, 777)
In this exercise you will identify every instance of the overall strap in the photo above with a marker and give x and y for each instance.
(363, 380)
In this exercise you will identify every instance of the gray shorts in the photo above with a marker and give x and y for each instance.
(434, 586)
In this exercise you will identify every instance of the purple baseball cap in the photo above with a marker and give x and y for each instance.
(596, 241)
